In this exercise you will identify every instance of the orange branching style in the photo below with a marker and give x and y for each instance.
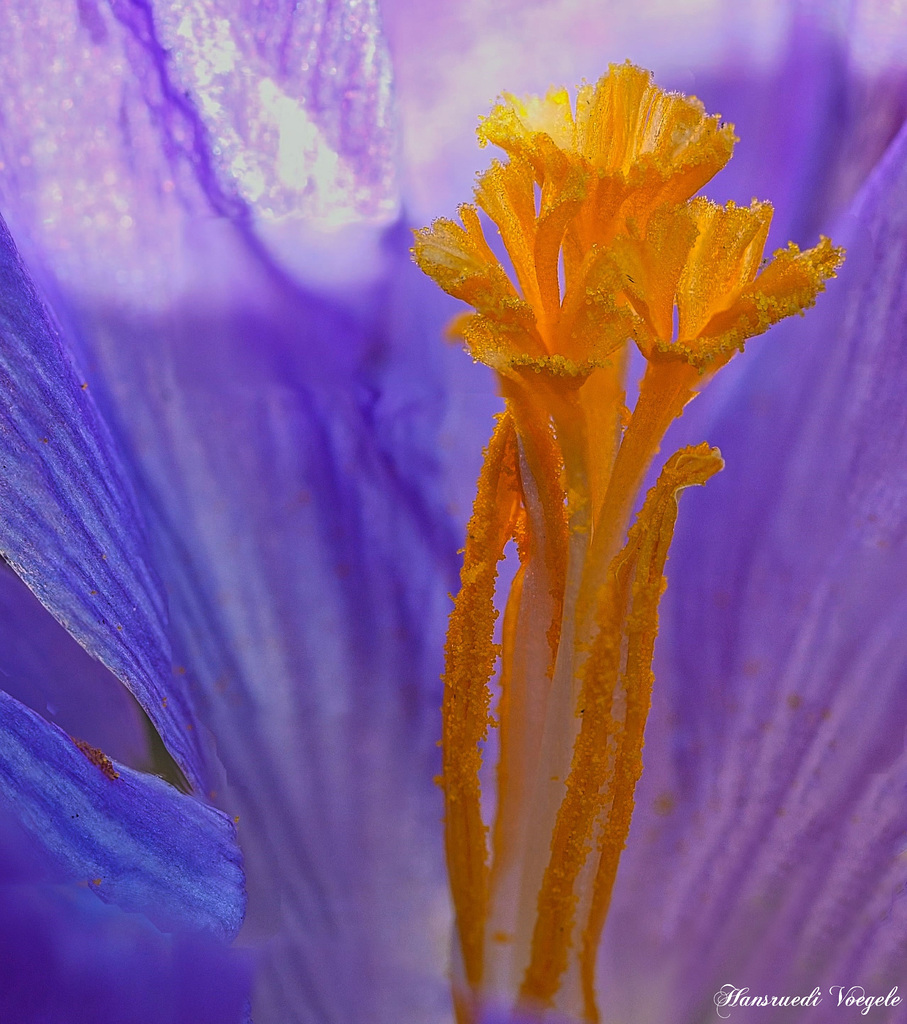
(607, 247)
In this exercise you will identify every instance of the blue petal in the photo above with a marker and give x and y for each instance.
(777, 756)
(68, 520)
(66, 957)
(134, 839)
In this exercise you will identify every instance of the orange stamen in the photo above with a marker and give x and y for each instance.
(608, 246)
(470, 658)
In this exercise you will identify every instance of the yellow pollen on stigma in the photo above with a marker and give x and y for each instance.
(594, 207)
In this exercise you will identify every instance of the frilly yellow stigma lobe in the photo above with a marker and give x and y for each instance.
(594, 205)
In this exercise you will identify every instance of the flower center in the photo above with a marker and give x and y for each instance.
(594, 207)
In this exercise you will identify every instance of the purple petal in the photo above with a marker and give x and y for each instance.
(69, 524)
(839, 116)
(67, 957)
(132, 838)
(315, 90)
(777, 758)
(500, 1015)
(307, 575)
(283, 447)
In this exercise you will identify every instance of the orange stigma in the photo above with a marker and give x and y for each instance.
(594, 206)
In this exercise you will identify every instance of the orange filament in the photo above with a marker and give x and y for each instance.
(508, 641)
(470, 658)
(607, 756)
(594, 205)
(545, 464)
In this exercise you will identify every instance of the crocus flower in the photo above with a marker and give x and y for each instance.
(227, 470)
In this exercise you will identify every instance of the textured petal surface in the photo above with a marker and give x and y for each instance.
(503, 1016)
(147, 111)
(68, 521)
(66, 957)
(771, 851)
(133, 838)
(306, 127)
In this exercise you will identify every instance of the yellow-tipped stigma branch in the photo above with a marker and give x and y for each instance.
(594, 206)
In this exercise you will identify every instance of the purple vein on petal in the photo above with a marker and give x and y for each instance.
(103, 182)
(306, 576)
(308, 127)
